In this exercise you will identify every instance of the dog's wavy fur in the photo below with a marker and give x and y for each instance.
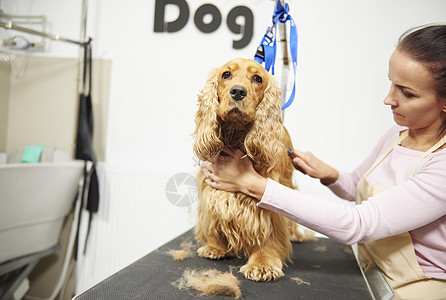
(231, 223)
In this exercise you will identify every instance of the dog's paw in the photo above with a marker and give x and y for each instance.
(306, 236)
(211, 252)
(297, 236)
(261, 272)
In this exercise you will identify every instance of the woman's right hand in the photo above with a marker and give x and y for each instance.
(308, 163)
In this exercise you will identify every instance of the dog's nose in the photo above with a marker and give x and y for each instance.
(238, 92)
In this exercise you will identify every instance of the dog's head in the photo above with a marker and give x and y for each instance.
(241, 85)
(239, 106)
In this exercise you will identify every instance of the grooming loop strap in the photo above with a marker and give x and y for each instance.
(266, 52)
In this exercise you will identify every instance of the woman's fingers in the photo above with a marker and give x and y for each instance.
(298, 153)
(306, 163)
(206, 165)
(211, 183)
(307, 157)
(209, 170)
(300, 165)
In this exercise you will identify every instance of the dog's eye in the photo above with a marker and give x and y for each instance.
(226, 75)
(257, 78)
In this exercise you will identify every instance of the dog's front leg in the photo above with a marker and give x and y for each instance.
(263, 265)
(215, 248)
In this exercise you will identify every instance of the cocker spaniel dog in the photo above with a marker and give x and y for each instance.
(239, 107)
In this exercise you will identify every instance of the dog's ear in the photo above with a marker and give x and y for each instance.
(263, 143)
(207, 142)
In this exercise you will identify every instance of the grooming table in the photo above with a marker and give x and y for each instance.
(328, 269)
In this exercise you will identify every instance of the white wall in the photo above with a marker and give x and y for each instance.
(344, 46)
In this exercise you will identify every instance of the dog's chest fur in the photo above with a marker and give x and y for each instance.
(237, 218)
(234, 129)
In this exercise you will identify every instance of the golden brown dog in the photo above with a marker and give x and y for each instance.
(239, 107)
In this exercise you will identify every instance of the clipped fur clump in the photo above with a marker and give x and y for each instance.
(210, 282)
(187, 249)
(300, 281)
(321, 249)
(178, 254)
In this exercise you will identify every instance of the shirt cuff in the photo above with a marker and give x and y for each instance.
(268, 192)
(274, 199)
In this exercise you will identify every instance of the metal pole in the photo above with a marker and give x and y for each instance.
(55, 37)
(83, 37)
(285, 67)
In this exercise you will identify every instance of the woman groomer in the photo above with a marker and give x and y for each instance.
(401, 187)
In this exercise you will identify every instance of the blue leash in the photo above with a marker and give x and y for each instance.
(266, 52)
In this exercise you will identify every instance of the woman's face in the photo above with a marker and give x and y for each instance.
(412, 96)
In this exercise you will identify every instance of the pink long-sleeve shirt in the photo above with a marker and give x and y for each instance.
(416, 205)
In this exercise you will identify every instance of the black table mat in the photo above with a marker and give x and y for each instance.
(328, 269)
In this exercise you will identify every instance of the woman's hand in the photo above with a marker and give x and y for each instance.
(308, 163)
(234, 173)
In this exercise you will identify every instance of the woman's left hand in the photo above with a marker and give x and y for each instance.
(234, 173)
